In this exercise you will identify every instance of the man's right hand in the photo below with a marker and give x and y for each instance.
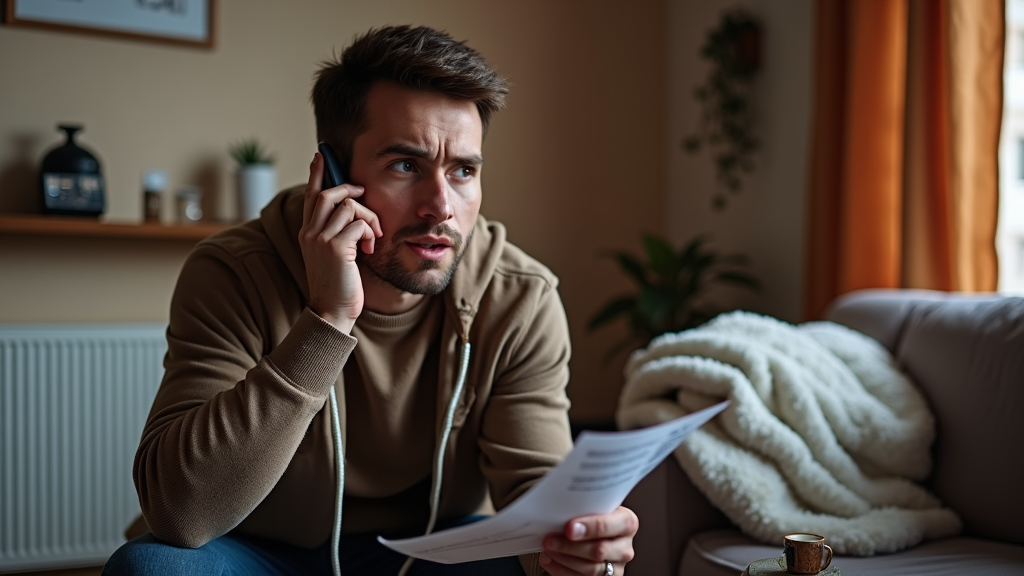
(334, 226)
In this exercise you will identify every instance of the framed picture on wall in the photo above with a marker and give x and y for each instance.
(185, 22)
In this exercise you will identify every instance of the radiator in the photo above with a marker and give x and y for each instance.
(73, 400)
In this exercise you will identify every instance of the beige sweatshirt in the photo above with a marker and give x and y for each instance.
(239, 438)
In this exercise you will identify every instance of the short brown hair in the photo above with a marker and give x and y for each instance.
(420, 58)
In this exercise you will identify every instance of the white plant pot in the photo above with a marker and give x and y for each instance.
(257, 185)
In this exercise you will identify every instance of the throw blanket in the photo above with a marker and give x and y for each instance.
(824, 433)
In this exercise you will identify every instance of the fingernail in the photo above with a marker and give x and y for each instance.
(578, 531)
(313, 163)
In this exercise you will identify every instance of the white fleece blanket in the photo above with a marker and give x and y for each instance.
(824, 433)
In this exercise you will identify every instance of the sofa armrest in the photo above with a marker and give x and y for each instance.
(671, 509)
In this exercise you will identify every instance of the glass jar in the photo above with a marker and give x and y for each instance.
(190, 205)
(154, 182)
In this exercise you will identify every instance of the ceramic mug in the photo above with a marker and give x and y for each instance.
(806, 553)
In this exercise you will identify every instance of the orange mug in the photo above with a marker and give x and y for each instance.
(806, 553)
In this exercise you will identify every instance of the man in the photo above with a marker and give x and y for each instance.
(442, 349)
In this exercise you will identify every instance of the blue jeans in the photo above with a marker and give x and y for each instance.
(240, 555)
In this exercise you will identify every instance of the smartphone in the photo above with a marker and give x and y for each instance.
(332, 168)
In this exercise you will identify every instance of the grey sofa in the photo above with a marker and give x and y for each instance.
(967, 354)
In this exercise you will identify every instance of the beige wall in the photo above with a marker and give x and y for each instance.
(574, 166)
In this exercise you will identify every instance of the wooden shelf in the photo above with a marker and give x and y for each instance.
(34, 225)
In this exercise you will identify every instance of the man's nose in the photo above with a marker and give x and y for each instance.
(435, 203)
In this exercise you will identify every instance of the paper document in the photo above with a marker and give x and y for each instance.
(593, 479)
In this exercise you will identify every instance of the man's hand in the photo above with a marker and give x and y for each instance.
(334, 226)
(589, 542)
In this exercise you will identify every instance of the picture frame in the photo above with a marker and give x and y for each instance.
(181, 22)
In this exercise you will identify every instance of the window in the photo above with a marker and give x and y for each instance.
(1010, 235)
(1020, 158)
(1018, 54)
(1019, 272)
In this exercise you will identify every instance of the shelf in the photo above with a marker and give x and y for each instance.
(34, 225)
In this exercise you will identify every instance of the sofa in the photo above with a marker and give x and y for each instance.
(966, 352)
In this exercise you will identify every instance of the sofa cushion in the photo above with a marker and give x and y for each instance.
(728, 552)
(966, 351)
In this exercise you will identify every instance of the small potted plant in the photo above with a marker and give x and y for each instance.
(672, 288)
(256, 178)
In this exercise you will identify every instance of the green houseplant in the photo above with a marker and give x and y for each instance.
(250, 151)
(671, 287)
(256, 180)
(725, 128)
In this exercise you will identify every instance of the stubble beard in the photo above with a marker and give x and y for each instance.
(389, 267)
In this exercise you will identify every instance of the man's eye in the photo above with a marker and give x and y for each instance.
(403, 166)
(465, 172)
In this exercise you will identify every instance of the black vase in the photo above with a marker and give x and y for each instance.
(71, 180)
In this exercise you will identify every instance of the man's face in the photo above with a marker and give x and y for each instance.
(419, 160)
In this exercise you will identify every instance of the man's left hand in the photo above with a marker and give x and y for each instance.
(589, 542)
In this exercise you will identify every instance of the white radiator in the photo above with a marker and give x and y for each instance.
(73, 400)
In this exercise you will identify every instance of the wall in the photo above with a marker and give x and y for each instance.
(574, 166)
(766, 221)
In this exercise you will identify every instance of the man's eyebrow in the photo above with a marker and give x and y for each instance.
(407, 150)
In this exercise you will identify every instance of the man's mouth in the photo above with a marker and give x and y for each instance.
(431, 241)
(429, 248)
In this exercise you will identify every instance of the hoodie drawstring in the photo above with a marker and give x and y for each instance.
(449, 418)
(435, 487)
(339, 471)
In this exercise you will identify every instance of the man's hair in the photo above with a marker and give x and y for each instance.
(419, 58)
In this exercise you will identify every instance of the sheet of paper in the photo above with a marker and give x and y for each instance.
(593, 479)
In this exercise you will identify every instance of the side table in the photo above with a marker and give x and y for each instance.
(777, 567)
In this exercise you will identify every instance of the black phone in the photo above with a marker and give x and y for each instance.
(332, 168)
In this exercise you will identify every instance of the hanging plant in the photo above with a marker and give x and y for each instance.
(726, 123)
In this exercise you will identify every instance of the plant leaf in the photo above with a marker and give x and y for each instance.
(613, 310)
(661, 255)
(655, 309)
(704, 260)
(250, 151)
(687, 253)
(633, 267)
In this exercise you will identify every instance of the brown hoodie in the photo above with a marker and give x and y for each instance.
(239, 437)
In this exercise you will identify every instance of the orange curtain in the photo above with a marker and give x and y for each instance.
(904, 165)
